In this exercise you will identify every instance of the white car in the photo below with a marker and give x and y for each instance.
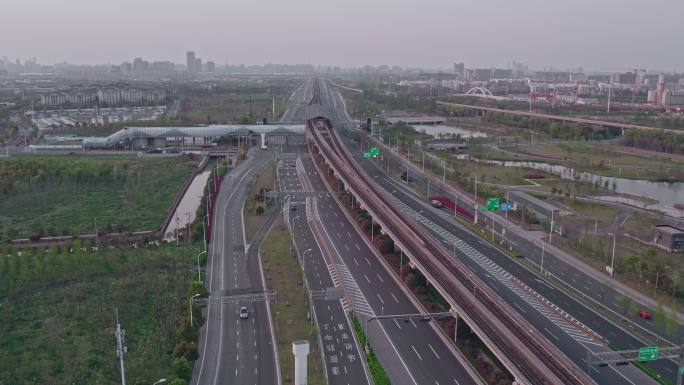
(243, 312)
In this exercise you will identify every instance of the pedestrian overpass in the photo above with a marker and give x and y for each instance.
(157, 136)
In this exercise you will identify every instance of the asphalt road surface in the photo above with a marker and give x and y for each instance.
(343, 362)
(497, 268)
(412, 352)
(234, 350)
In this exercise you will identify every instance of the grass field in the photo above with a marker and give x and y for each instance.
(58, 314)
(608, 161)
(60, 195)
(226, 108)
(284, 275)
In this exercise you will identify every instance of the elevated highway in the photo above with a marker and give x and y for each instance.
(528, 355)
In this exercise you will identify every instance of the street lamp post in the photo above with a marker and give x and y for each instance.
(551, 226)
(304, 260)
(204, 231)
(199, 274)
(191, 298)
(612, 259)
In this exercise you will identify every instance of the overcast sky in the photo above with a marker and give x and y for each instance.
(595, 34)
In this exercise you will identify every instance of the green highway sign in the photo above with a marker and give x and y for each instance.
(681, 371)
(493, 204)
(374, 152)
(366, 154)
(649, 353)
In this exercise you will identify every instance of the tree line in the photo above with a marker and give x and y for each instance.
(655, 140)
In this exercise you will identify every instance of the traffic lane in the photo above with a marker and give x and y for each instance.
(339, 348)
(211, 341)
(413, 342)
(543, 324)
(237, 344)
(602, 293)
(605, 295)
(419, 346)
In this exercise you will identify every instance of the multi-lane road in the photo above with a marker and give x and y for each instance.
(234, 350)
(412, 352)
(535, 299)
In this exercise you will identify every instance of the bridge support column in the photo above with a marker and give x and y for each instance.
(263, 141)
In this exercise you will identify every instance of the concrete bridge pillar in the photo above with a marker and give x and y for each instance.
(263, 141)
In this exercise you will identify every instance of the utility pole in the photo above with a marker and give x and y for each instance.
(680, 369)
(97, 241)
(612, 260)
(551, 226)
(408, 160)
(475, 220)
(610, 92)
(121, 350)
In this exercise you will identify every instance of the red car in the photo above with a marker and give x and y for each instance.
(644, 314)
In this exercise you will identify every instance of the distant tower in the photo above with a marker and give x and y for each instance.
(660, 89)
(190, 61)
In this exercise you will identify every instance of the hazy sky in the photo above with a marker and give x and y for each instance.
(596, 34)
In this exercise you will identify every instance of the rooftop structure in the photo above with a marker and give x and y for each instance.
(668, 238)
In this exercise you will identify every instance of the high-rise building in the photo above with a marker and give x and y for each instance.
(459, 69)
(190, 61)
(139, 65)
(211, 67)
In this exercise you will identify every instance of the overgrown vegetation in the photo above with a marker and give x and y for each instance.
(661, 141)
(257, 203)
(57, 308)
(63, 195)
(284, 275)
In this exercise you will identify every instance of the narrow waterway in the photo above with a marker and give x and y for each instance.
(187, 208)
(665, 193)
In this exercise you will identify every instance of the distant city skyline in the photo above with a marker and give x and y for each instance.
(432, 34)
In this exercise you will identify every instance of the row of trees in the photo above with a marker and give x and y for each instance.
(660, 141)
(557, 130)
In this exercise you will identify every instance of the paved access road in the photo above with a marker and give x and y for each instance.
(234, 350)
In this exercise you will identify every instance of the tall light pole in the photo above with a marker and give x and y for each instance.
(551, 226)
(199, 275)
(120, 347)
(542, 258)
(204, 231)
(304, 260)
(191, 298)
(612, 259)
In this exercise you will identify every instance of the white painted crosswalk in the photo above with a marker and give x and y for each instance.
(560, 318)
(358, 301)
